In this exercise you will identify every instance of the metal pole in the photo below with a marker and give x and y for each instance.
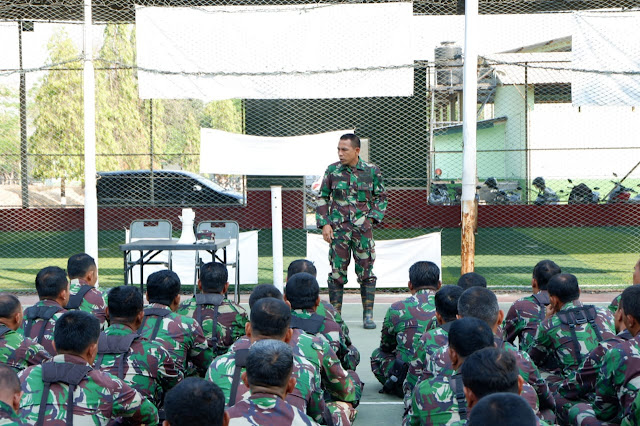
(469, 167)
(89, 92)
(24, 147)
(276, 236)
(526, 133)
(432, 156)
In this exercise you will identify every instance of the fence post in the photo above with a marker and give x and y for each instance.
(276, 235)
(89, 91)
(469, 127)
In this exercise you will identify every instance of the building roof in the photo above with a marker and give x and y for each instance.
(481, 124)
(531, 68)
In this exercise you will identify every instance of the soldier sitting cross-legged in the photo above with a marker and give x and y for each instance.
(10, 394)
(222, 320)
(144, 365)
(68, 390)
(268, 377)
(195, 402)
(40, 319)
(83, 276)
(16, 351)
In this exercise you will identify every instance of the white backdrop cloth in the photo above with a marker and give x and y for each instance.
(249, 47)
(232, 153)
(393, 258)
(184, 261)
(606, 42)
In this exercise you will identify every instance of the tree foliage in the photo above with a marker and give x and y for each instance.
(9, 132)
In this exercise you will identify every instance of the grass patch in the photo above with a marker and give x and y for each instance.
(600, 256)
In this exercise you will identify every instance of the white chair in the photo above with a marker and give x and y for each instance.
(224, 230)
(150, 229)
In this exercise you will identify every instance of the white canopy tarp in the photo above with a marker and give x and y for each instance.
(232, 153)
(275, 52)
(393, 258)
(606, 42)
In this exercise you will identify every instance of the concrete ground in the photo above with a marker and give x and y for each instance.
(375, 408)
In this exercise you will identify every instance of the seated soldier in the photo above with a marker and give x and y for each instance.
(404, 324)
(580, 385)
(325, 308)
(441, 400)
(268, 377)
(181, 336)
(569, 331)
(144, 365)
(613, 307)
(40, 319)
(195, 402)
(67, 390)
(482, 303)
(471, 279)
(489, 371)
(222, 320)
(339, 384)
(504, 409)
(617, 382)
(525, 314)
(10, 395)
(302, 292)
(270, 319)
(16, 351)
(446, 301)
(83, 276)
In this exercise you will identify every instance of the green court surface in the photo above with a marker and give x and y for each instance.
(602, 256)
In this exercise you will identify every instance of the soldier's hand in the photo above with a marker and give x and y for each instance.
(327, 233)
(550, 311)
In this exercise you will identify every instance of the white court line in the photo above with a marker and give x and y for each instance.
(382, 402)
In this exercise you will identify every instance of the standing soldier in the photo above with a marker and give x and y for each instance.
(83, 276)
(222, 321)
(352, 197)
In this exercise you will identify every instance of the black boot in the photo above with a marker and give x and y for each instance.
(368, 294)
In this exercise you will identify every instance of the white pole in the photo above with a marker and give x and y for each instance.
(276, 235)
(469, 125)
(90, 198)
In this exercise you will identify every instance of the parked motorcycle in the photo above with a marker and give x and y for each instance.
(501, 196)
(546, 195)
(439, 193)
(582, 194)
(619, 193)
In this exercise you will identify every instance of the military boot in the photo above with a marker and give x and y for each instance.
(335, 296)
(368, 294)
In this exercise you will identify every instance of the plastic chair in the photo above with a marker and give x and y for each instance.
(224, 230)
(151, 229)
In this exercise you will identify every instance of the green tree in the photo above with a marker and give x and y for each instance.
(9, 132)
(58, 140)
(122, 130)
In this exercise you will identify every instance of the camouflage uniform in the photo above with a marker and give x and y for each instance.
(523, 318)
(98, 398)
(613, 307)
(554, 349)
(617, 385)
(404, 324)
(92, 301)
(580, 385)
(327, 310)
(307, 395)
(8, 416)
(340, 385)
(350, 199)
(267, 409)
(331, 331)
(435, 402)
(37, 325)
(231, 321)
(429, 342)
(633, 418)
(535, 390)
(19, 353)
(181, 336)
(147, 366)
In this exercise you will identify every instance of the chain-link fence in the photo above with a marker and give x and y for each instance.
(555, 101)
